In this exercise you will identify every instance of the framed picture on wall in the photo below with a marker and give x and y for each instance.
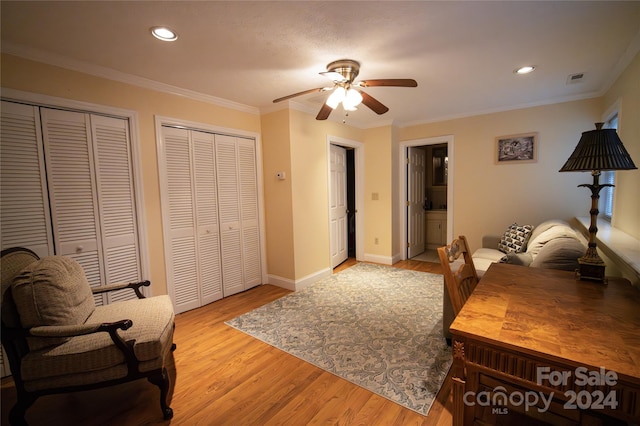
(520, 148)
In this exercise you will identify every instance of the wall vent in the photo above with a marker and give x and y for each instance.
(575, 78)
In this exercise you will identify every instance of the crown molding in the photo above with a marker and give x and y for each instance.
(632, 50)
(475, 113)
(111, 74)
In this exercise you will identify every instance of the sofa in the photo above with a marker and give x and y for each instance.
(553, 244)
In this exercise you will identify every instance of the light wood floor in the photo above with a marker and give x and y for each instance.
(225, 377)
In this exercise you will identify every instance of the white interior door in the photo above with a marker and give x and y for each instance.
(338, 205)
(415, 192)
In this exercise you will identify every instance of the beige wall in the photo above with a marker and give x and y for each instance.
(398, 209)
(487, 197)
(378, 182)
(626, 90)
(278, 194)
(310, 185)
(29, 76)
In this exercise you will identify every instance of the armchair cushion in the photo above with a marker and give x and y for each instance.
(152, 334)
(52, 291)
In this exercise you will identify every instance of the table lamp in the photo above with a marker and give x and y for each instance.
(597, 150)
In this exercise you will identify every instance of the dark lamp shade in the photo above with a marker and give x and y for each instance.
(599, 149)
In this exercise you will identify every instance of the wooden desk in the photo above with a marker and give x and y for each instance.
(528, 333)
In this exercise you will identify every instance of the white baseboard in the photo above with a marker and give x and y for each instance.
(285, 283)
(304, 282)
(375, 258)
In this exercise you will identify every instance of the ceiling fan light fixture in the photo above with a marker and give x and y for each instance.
(164, 33)
(336, 97)
(344, 91)
(352, 99)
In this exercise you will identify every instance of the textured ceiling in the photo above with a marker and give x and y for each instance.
(461, 53)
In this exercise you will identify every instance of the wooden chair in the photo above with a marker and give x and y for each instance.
(460, 283)
(57, 340)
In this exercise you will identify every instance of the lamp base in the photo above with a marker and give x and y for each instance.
(591, 270)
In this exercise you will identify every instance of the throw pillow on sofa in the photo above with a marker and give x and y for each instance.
(515, 238)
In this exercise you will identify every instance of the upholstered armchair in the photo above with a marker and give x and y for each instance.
(57, 340)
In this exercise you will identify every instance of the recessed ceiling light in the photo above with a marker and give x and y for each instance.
(164, 33)
(524, 70)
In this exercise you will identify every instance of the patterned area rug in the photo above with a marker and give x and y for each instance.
(376, 326)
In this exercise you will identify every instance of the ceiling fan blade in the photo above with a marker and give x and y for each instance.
(374, 104)
(284, 98)
(396, 82)
(334, 76)
(324, 112)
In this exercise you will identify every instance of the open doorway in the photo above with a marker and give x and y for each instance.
(346, 212)
(426, 197)
(339, 213)
(427, 170)
(351, 203)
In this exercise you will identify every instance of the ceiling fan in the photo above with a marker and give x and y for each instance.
(346, 92)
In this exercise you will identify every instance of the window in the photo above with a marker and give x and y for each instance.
(606, 194)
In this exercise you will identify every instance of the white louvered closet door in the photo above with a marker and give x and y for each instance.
(24, 211)
(239, 224)
(116, 201)
(72, 189)
(90, 183)
(208, 227)
(180, 250)
(67, 189)
(248, 189)
(229, 201)
(210, 213)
